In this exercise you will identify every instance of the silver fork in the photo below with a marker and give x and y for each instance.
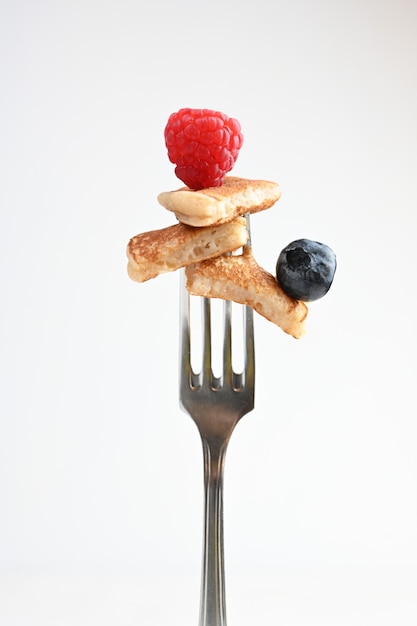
(216, 404)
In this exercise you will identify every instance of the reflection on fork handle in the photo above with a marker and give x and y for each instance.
(212, 601)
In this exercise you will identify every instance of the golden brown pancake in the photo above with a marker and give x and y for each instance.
(215, 205)
(168, 249)
(241, 279)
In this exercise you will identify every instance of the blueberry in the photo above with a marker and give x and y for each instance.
(305, 269)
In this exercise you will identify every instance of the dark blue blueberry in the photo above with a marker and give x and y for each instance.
(305, 269)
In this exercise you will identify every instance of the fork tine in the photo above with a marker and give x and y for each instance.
(206, 371)
(188, 377)
(248, 228)
(227, 377)
(249, 356)
(185, 343)
(248, 329)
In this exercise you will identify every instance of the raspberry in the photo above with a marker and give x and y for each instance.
(203, 144)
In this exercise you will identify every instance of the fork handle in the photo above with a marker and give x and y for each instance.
(212, 600)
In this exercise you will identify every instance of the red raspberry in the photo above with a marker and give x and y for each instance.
(203, 144)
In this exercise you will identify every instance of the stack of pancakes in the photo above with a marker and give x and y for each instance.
(211, 225)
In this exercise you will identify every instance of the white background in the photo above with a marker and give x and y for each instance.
(100, 471)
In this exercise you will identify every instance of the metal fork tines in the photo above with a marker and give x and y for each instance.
(205, 396)
(216, 404)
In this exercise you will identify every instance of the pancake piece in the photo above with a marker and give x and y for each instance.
(241, 279)
(152, 253)
(215, 205)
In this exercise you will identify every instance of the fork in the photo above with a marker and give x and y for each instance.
(216, 404)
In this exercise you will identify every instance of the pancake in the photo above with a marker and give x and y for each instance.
(216, 205)
(165, 250)
(241, 279)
